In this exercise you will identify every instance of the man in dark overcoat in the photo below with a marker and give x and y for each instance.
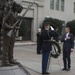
(68, 46)
(38, 41)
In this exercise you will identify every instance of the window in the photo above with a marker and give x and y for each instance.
(74, 7)
(52, 4)
(57, 4)
(62, 5)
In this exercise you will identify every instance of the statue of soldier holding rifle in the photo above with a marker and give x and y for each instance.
(10, 25)
(10, 17)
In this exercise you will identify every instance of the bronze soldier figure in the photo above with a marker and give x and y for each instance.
(11, 16)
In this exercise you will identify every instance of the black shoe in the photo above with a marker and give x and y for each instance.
(46, 73)
(68, 69)
(39, 53)
(14, 62)
(63, 69)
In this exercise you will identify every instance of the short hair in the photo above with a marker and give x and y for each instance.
(68, 28)
(47, 24)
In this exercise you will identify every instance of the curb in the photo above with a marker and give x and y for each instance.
(29, 43)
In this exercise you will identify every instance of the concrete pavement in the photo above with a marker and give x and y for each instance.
(26, 54)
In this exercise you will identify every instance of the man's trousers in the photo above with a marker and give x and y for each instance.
(45, 57)
(66, 59)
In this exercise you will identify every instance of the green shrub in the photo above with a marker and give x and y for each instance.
(55, 23)
(71, 24)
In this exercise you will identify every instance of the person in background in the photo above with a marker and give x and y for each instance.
(68, 47)
(38, 41)
(46, 35)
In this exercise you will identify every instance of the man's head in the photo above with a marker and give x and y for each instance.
(67, 29)
(47, 26)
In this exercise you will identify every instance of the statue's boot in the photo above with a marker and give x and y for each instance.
(7, 64)
(13, 62)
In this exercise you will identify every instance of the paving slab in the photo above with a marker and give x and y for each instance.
(13, 70)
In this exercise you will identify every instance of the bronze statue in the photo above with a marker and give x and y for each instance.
(10, 25)
(10, 17)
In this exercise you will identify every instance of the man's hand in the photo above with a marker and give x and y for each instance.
(52, 28)
(67, 37)
(72, 49)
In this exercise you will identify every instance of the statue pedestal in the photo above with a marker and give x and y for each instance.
(14, 70)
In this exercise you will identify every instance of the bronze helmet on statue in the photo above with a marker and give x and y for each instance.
(15, 6)
(18, 8)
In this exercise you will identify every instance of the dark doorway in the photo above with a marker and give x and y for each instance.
(25, 29)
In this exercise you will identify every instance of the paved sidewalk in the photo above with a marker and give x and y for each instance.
(28, 57)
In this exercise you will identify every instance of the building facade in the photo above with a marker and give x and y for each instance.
(60, 9)
(35, 15)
